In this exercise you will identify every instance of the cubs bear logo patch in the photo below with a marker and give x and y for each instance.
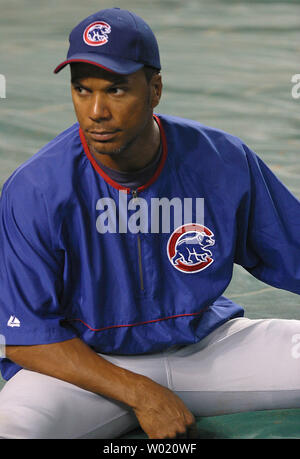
(187, 248)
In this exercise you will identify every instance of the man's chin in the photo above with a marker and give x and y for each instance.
(105, 148)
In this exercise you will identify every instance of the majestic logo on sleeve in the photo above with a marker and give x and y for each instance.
(13, 321)
(96, 34)
(187, 248)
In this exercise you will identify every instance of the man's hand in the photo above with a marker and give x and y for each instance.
(162, 414)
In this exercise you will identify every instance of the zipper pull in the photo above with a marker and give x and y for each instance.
(134, 194)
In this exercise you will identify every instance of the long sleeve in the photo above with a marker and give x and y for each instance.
(268, 228)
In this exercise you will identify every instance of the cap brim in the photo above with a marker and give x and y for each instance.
(115, 65)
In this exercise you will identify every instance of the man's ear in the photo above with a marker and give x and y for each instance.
(156, 89)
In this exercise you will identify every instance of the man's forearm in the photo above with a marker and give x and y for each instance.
(73, 361)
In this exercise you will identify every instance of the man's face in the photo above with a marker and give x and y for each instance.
(113, 110)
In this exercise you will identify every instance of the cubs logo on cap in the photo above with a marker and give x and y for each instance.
(187, 248)
(96, 34)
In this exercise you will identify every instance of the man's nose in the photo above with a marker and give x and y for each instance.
(99, 108)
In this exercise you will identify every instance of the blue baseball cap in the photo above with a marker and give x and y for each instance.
(114, 39)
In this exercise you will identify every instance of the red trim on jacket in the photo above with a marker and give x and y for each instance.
(116, 184)
(140, 323)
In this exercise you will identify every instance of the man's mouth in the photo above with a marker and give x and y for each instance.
(102, 136)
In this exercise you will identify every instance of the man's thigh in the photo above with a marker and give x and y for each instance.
(245, 365)
(33, 405)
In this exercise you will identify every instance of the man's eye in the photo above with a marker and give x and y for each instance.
(117, 91)
(80, 90)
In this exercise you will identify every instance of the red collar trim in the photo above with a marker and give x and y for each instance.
(116, 184)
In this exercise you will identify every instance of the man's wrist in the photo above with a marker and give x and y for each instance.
(140, 388)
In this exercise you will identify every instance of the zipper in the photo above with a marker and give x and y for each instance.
(134, 195)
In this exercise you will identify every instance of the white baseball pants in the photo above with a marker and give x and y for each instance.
(244, 365)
